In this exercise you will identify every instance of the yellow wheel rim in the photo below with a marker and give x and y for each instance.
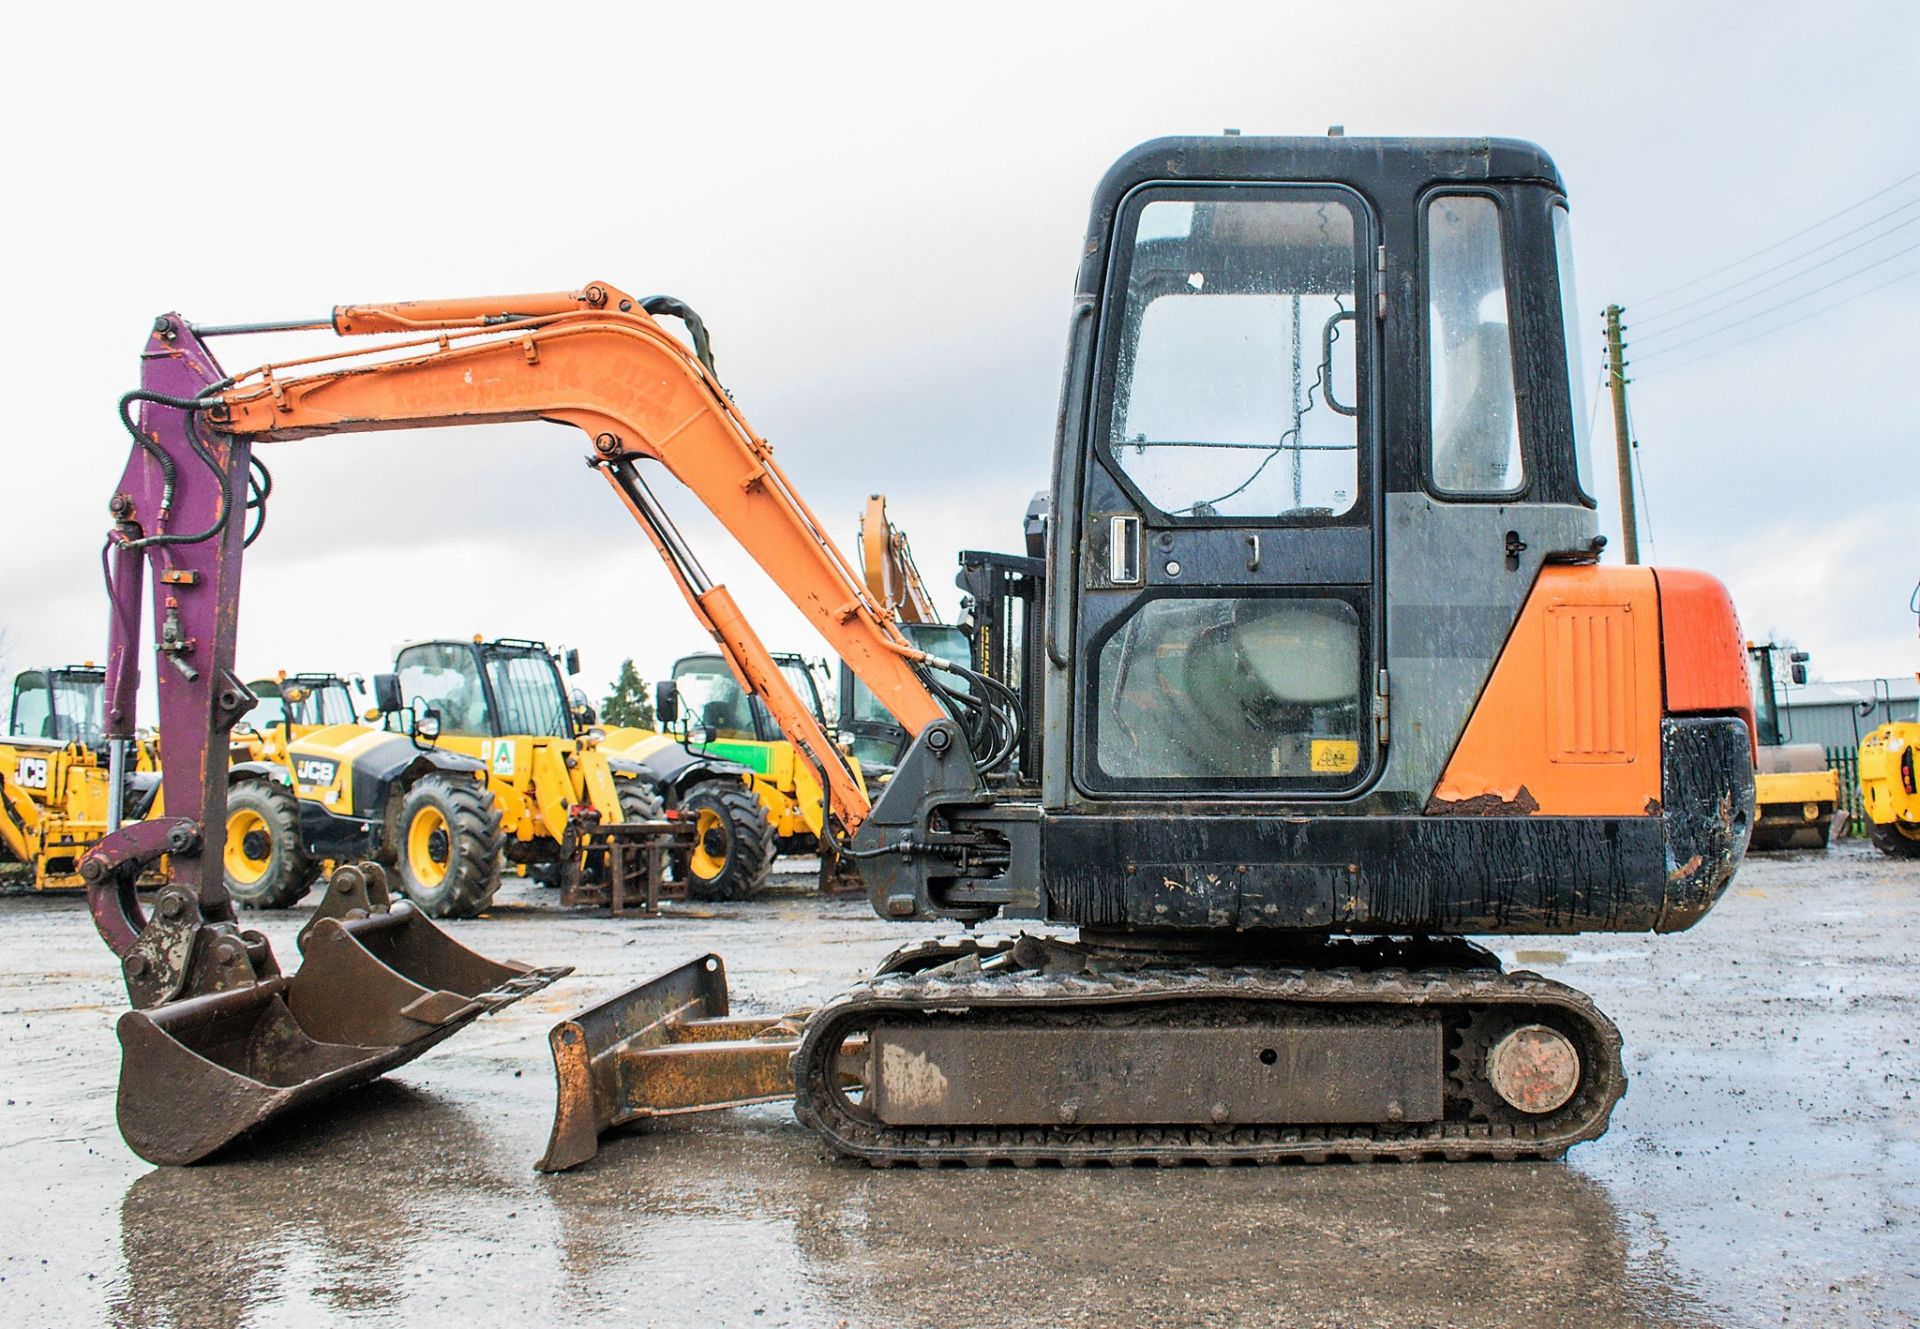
(707, 866)
(429, 847)
(244, 867)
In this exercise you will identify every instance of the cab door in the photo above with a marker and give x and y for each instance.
(1228, 615)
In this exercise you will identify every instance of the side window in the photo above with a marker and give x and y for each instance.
(1476, 427)
(1234, 387)
(442, 681)
(32, 707)
(1578, 385)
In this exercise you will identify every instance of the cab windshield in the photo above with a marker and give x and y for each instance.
(712, 699)
(61, 704)
(317, 703)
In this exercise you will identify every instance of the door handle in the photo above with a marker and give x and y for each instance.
(1253, 553)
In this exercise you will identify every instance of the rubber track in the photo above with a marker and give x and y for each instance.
(848, 1132)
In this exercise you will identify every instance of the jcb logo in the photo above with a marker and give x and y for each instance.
(312, 772)
(32, 774)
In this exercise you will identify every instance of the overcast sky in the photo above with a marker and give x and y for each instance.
(879, 215)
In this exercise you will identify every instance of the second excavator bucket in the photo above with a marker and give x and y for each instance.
(660, 1049)
(380, 984)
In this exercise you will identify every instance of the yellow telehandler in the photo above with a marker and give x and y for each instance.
(504, 704)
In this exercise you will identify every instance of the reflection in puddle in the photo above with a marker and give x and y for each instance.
(405, 1208)
(1532, 1244)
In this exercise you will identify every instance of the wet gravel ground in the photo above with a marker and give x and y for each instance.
(1763, 1169)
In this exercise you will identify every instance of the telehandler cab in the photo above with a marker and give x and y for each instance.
(1332, 679)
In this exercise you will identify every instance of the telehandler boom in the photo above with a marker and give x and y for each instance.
(1332, 676)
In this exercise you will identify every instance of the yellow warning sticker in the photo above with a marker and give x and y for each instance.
(1335, 755)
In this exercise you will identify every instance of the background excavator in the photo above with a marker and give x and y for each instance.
(1331, 678)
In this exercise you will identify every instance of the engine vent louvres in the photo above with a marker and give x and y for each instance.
(1591, 701)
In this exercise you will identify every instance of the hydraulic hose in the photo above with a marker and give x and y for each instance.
(668, 306)
(191, 406)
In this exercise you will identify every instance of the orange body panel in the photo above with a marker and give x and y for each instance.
(593, 359)
(1702, 647)
(1569, 722)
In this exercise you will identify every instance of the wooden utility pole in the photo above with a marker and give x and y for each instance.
(1622, 443)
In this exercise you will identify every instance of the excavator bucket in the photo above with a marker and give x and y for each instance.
(379, 985)
(661, 1049)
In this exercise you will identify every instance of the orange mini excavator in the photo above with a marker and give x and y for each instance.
(1332, 679)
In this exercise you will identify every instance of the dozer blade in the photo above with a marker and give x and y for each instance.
(663, 1048)
(378, 987)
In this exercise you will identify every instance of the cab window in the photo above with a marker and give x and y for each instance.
(1234, 387)
(712, 699)
(442, 680)
(1232, 690)
(527, 688)
(1471, 405)
(32, 707)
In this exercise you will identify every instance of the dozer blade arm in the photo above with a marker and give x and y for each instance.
(666, 1048)
(220, 1042)
(597, 360)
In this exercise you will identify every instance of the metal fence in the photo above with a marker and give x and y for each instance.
(1847, 762)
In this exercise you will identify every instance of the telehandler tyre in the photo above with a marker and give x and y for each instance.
(1894, 839)
(265, 862)
(448, 840)
(637, 802)
(732, 845)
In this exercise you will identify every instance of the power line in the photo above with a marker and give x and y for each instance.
(1782, 327)
(1789, 262)
(1762, 313)
(1852, 207)
(1774, 286)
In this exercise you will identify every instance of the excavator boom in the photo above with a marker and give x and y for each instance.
(597, 360)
